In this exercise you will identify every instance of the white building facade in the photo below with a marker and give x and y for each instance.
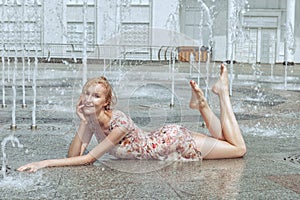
(253, 31)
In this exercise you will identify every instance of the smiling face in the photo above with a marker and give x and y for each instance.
(97, 95)
(94, 99)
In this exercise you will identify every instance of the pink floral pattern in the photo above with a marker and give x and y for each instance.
(171, 142)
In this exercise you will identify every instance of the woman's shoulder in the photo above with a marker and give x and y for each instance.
(118, 115)
(121, 119)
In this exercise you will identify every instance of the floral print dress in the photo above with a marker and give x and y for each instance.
(171, 142)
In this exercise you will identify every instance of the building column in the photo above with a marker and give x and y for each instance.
(290, 30)
(230, 31)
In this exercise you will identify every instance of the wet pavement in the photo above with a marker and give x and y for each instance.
(268, 114)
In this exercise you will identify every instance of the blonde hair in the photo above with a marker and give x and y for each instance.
(110, 96)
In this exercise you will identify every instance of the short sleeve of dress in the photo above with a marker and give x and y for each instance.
(121, 120)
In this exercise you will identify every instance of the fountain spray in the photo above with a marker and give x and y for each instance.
(28, 66)
(3, 61)
(8, 66)
(23, 59)
(172, 26)
(3, 79)
(13, 113)
(172, 60)
(200, 45)
(33, 125)
(13, 140)
(235, 31)
(192, 61)
(84, 50)
(23, 78)
(205, 9)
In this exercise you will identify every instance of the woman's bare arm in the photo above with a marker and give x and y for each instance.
(80, 141)
(108, 143)
(83, 135)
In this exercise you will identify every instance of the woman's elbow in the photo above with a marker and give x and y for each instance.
(241, 151)
(89, 159)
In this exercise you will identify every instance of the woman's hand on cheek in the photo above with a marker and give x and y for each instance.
(79, 110)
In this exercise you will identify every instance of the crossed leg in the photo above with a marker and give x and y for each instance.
(227, 140)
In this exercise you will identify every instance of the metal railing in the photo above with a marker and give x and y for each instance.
(50, 51)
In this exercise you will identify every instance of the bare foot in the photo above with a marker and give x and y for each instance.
(222, 84)
(198, 100)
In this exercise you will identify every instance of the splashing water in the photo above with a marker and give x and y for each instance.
(13, 140)
(23, 181)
